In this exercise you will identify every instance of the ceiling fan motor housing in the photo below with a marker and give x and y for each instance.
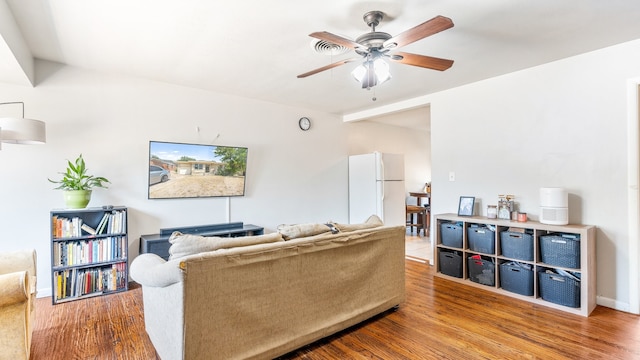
(372, 40)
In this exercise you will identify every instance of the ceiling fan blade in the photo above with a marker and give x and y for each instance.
(327, 67)
(336, 39)
(423, 61)
(427, 28)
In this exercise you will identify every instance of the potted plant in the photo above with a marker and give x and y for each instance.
(77, 185)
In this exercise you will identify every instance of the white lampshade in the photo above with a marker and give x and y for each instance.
(22, 131)
(359, 72)
(382, 70)
(372, 73)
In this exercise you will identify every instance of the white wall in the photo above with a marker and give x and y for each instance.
(561, 124)
(292, 176)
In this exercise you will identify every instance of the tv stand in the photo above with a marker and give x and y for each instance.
(159, 243)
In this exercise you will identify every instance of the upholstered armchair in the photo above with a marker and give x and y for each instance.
(17, 303)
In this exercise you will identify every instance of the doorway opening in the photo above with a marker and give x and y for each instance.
(403, 129)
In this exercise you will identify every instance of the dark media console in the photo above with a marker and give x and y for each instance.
(159, 243)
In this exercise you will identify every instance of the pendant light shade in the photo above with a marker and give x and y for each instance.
(20, 130)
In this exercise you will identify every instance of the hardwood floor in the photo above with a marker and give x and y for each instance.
(106, 327)
(417, 247)
(439, 320)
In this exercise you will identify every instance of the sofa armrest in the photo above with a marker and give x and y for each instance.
(18, 261)
(152, 270)
(14, 288)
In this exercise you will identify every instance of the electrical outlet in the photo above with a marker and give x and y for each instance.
(452, 176)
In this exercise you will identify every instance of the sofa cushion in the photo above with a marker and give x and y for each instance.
(302, 230)
(372, 222)
(188, 244)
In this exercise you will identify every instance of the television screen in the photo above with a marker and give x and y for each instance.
(178, 170)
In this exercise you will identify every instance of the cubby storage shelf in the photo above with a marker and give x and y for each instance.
(584, 251)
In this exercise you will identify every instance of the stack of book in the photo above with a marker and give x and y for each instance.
(113, 222)
(89, 251)
(73, 283)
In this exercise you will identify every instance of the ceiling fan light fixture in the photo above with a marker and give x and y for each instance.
(371, 73)
(381, 69)
(359, 72)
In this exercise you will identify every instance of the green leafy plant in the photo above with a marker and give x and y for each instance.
(76, 178)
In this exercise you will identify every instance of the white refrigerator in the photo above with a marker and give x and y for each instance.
(376, 186)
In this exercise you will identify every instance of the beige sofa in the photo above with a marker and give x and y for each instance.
(17, 303)
(264, 300)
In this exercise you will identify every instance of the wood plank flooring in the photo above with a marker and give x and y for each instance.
(439, 320)
(417, 247)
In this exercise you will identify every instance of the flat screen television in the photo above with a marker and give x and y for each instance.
(178, 170)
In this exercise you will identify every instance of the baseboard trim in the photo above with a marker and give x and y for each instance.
(413, 258)
(43, 292)
(612, 303)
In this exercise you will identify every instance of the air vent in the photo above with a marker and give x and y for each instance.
(327, 48)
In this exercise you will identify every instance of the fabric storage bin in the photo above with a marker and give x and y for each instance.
(516, 278)
(481, 239)
(516, 245)
(451, 234)
(450, 262)
(481, 270)
(560, 250)
(559, 289)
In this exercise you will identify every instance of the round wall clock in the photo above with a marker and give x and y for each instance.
(304, 123)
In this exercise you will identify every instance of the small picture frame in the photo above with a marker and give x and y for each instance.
(465, 207)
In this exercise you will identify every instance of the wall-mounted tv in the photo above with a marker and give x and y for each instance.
(178, 170)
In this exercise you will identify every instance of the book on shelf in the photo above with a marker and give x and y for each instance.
(88, 229)
(113, 222)
(73, 283)
(102, 224)
(82, 252)
(63, 227)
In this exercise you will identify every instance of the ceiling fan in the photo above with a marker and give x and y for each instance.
(375, 46)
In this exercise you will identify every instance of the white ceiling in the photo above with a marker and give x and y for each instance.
(256, 48)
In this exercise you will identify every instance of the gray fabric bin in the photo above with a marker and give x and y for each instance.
(516, 278)
(516, 245)
(559, 289)
(451, 234)
(450, 262)
(481, 239)
(482, 270)
(560, 250)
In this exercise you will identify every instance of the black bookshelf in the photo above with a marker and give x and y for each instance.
(89, 252)
(159, 243)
